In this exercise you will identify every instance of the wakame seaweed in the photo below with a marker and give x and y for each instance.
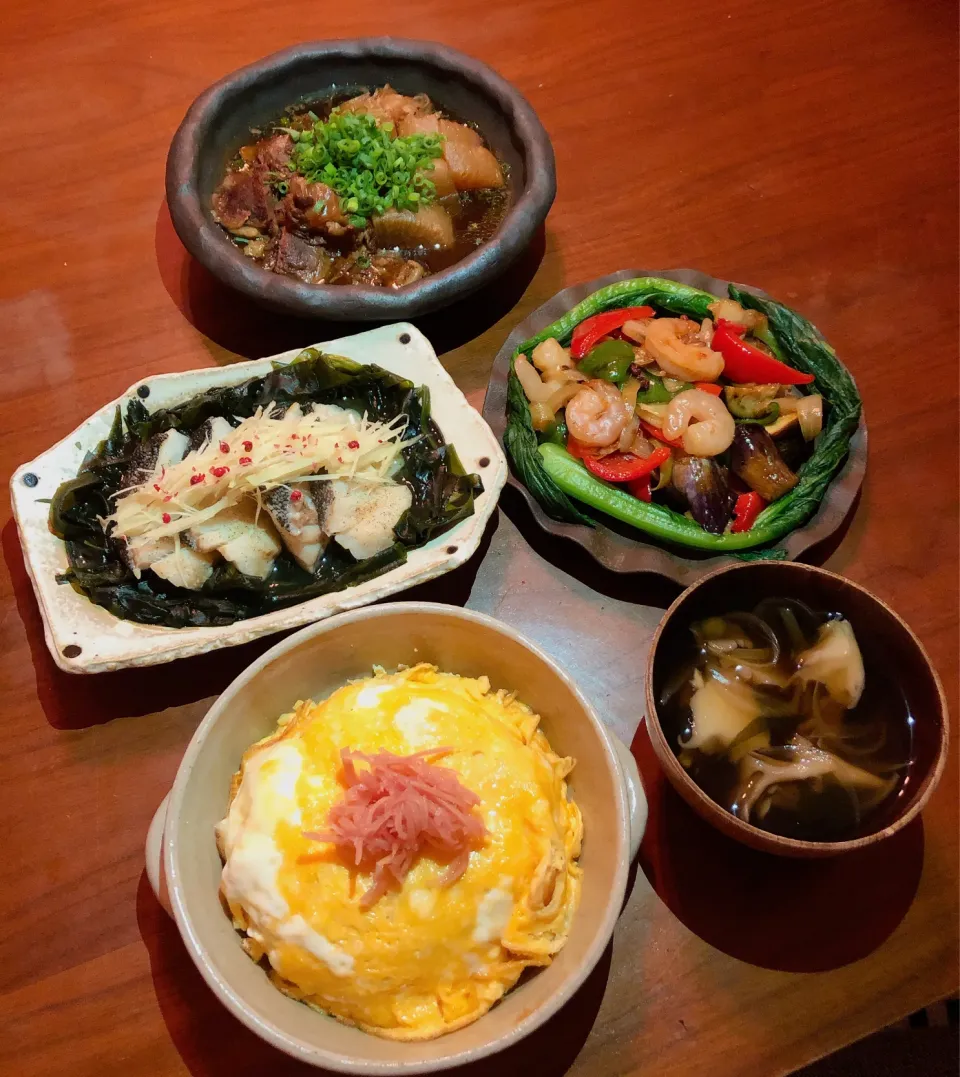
(443, 494)
(791, 337)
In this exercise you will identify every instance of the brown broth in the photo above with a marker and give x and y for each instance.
(813, 810)
(476, 215)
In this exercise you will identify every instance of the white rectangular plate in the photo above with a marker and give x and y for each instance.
(85, 638)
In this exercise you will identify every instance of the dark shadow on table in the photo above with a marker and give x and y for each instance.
(239, 325)
(454, 587)
(771, 911)
(77, 701)
(644, 588)
(213, 1043)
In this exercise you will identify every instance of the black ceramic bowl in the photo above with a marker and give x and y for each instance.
(220, 119)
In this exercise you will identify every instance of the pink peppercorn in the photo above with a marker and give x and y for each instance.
(224, 447)
(166, 517)
(219, 472)
(248, 445)
(353, 444)
(194, 479)
(295, 495)
(245, 460)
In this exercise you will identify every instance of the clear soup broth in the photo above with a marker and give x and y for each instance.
(773, 714)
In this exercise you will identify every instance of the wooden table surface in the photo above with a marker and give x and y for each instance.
(809, 148)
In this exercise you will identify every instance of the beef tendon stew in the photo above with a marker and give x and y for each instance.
(379, 190)
(714, 423)
(774, 717)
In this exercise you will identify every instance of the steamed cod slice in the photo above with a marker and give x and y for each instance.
(362, 516)
(296, 510)
(185, 567)
(241, 535)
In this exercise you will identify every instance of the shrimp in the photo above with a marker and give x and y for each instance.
(680, 357)
(597, 415)
(701, 421)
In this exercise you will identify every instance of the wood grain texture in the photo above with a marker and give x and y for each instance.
(809, 148)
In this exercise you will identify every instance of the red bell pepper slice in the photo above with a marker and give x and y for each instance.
(589, 331)
(710, 387)
(624, 466)
(742, 362)
(656, 432)
(746, 511)
(576, 449)
(640, 488)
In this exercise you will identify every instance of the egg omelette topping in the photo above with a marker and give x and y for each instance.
(428, 955)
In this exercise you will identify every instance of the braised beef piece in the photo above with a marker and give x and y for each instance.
(297, 257)
(273, 154)
(314, 208)
(384, 270)
(243, 200)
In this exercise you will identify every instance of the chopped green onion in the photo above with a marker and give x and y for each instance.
(241, 241)
(370, 170)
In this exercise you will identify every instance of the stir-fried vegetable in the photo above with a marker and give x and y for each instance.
(610, 360)
(746, 511)
(754, 457)
(623, 466)
(653, 391)
(743, 362)
(553, 474)
(588, 332)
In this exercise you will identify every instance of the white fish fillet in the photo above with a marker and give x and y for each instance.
(173, 448)
(295, 512)
(362, 516)
(185, 568)
(240, 538)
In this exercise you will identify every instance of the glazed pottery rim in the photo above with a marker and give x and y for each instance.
(314, 1053)
(204, 238)
(637, 552)
(747, 832)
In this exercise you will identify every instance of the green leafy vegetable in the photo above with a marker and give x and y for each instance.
(369, 169)
(557, 480)
(442, 496)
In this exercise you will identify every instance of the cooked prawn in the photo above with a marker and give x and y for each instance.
(701, 420)
(597, 415)
(668, 341)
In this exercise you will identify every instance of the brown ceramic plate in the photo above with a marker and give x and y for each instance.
(618, 546)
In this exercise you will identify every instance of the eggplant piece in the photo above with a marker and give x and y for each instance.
(756, 459)
(705, 487)
(791, 446)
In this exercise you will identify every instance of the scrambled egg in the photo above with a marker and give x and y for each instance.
(425, 959)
